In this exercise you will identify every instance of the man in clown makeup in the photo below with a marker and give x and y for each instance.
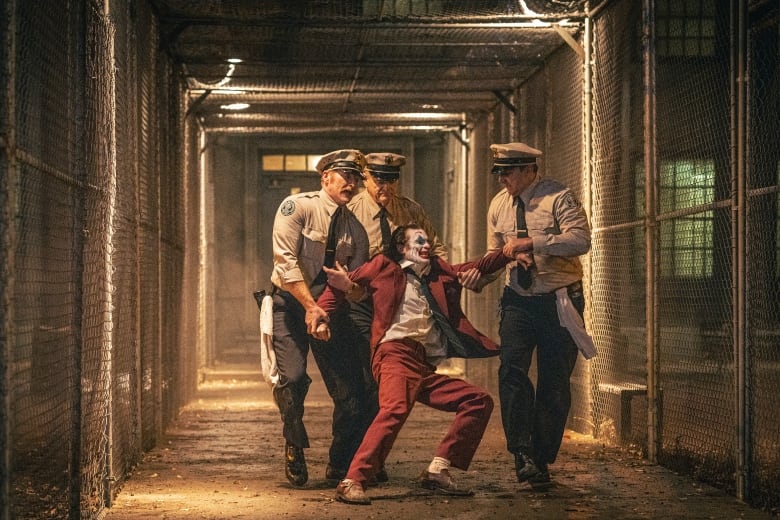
(418, 322)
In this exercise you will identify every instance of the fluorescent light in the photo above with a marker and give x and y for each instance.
(228, 91)
(235, 106)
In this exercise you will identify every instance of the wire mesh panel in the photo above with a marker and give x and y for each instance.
(81, 218)
(618, 260)
(694, 242)
(763, 250)
(44, 368)
(44, 372)
(172, 236)
(97, 347)
(126, 439)
(149, 239)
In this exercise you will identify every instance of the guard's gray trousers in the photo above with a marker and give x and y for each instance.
(341, 367)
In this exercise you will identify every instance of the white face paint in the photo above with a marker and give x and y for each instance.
(417, 247)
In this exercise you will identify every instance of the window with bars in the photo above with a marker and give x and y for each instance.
(685, 28)
(292, 163)
(686, 242)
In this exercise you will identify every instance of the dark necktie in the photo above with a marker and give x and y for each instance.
(384, 225)
(333, 236)
(455, 345)
(523, 275)
(334, 229)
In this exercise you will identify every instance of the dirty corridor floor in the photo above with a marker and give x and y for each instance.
(222, 459)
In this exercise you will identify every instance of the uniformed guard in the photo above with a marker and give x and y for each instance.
(380, 203)
(312, 230)
(543, 226)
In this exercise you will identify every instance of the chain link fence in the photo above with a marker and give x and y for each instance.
(102, 312)
(713, 352)
(763, 254)
(94, 233)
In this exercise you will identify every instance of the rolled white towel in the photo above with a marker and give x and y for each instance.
(571, 319)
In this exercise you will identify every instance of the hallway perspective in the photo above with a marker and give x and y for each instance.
(222, 459)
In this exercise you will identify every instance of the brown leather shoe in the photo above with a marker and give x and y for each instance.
(351, 492)
(295, 465)
(442, 483)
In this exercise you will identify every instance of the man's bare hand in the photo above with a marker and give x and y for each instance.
(524, 260)
(470, 279)
(322, 332)
(518, 245)
(338, 277)
(314, 317)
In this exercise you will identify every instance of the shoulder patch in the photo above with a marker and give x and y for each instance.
(287, 208)
(569, 201)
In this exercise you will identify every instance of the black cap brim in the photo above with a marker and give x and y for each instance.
(353, 171)
(507, 164)
(385, 177)
(384, 173)
(345, 166)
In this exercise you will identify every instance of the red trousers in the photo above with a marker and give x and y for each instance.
(404, 377)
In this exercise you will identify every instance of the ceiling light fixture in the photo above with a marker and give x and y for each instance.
(235, 106)
(228, 91)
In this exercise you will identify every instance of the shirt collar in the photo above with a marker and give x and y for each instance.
(330, 204)
(419, 269)
(378, 207)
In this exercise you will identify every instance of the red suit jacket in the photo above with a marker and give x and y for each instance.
(385, 282)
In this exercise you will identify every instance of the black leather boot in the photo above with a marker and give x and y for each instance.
(295, 465)
(525, 467)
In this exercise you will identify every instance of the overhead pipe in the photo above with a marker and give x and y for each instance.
(535, 21)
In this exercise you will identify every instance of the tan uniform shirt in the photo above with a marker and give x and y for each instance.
(400, 212)
(558, 226)
(300, 234)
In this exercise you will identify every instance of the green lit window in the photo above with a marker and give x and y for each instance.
(686, 242)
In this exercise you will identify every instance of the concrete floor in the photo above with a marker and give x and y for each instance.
(223, 459)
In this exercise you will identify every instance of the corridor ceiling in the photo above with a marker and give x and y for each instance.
(368, 66)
